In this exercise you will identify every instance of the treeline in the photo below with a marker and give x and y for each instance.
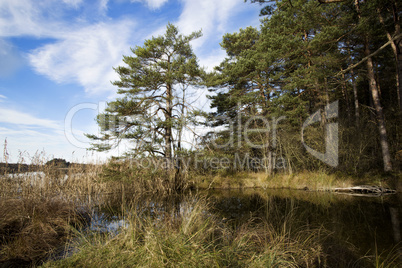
(17, 168)
(305, 56)
(55, 163)
(317, 86)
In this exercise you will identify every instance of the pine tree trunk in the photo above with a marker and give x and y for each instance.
(396, 48)
(357, 113)
(355, 93)
(399, 72)
(346, 96)
(379, 111)
(386, 156)
(168, 127)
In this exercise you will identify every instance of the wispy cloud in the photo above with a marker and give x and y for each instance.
(74, 3)
(153, 4)
(11, 116)
(209, 15)
(103, 4)
(44, 19)
(28, 134)
(83, 53)
(28, 142)
(25, 17)
(214, 18)
(85, 56)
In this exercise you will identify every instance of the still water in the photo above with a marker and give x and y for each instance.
(353, 224)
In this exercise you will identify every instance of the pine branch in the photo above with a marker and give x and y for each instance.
(369, 56)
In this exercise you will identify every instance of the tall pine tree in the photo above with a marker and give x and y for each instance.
(149, 112)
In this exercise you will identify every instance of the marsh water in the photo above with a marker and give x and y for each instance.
(355, 226)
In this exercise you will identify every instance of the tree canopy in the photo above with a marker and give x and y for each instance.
(149, 113)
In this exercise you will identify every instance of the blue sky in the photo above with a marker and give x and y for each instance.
(56, 59)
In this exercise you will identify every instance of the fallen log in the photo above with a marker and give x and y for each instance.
(365, 189)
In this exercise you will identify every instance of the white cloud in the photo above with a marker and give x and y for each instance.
(214, 58)
(74, 3)
(29, 134)
(152, 4)
(83, 53)
(33, 141)
(85, 56)
(29, 141)
(209, 15)
(26, 132)
(2, 97)
(103, 4)
(25, 17)
(214, 18)
(15, 14)
(41, 19)
(15, 117)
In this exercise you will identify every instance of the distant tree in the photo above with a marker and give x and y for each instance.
(57, 162)
(153, 84)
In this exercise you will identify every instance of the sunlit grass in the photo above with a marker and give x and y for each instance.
(303, 180)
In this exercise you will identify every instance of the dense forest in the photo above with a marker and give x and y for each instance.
(317, 86)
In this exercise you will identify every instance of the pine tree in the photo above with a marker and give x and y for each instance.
(284, 69)
(152, 84)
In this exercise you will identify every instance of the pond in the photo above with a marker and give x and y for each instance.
(354, 225)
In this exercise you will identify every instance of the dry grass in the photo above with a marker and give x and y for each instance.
(40, 205)
(33, 229)
(306, 180)
(197, 238)
(144, 180)
(39, 210)
(40, 202)
(39, 179)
